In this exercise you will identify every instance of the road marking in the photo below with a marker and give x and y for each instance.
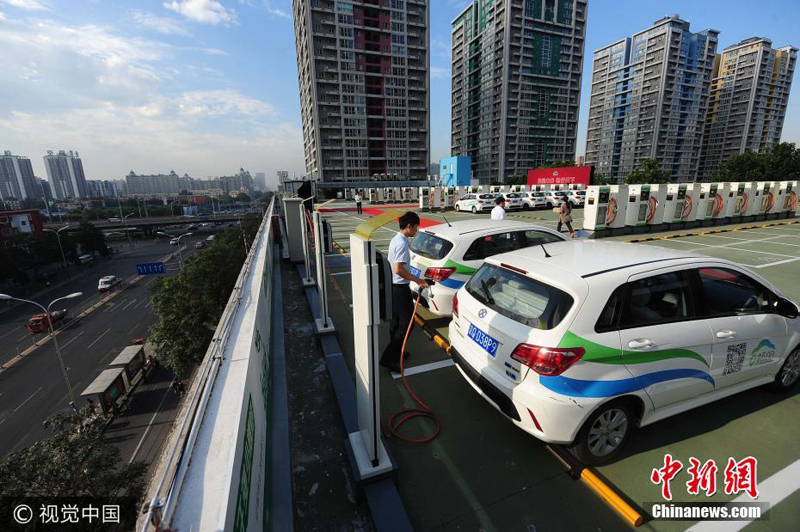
(776, 263)
(12, 331)
(774, 489)
(139, 303)
(28, 399)
(72, 340)
(97, 339)
(424, 368)
(149, 426)
(129, 304)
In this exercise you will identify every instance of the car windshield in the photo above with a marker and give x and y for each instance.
(488, 196)
(430, 246)
(512, 195)
(518, 297)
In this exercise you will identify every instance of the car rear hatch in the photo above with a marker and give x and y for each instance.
(501, 309)
(428, 250)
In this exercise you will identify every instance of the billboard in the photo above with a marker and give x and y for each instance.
(565, 175)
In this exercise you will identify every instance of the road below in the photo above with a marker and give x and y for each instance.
(33, 387)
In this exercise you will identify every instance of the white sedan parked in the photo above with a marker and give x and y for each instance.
(476, 203)
(581, 345)
(533, 200)
(513, 200)
(450, 254)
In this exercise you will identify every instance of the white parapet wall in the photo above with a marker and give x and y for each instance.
(214, 474)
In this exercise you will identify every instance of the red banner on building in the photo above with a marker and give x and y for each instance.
(566, 175)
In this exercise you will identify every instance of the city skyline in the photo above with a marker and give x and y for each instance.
(155, 88)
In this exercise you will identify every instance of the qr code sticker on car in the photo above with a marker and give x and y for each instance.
(734, 358)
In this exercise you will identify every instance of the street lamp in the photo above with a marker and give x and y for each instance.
(6, 297)
(128, 233)
(58, 237)
(178, 239)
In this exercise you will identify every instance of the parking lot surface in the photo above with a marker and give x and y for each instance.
(484, 473)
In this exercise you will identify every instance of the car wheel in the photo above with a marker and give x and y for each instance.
(457, 208)
(602, 437)
(474, 210)
(789, 374)
(549, 205)
(526, 207)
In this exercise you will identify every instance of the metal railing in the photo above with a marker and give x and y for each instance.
(163, 502)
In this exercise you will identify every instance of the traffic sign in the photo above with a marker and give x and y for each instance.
(150, 268)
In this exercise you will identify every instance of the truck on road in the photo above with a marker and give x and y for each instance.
(38, 322)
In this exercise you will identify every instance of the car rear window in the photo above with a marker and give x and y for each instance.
(519, 298)
(487, 196)
(431, 246)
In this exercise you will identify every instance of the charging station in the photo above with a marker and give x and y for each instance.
(645, 204)
(760, 199)
(789, 198)
(372, 303)
(450, 197)
(604, 212)
(690, 205)
(712, 207)
(774, 208)
(373, 195)
(737, 198)
(424, 198)
(323, 244)
(673, 205)
(435, 197)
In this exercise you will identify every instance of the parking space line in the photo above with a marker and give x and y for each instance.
(777, 263)
(97, 339)
(424, 368)
(774, 489)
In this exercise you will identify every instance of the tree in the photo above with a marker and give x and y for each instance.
(558, 164)
(75, 461)
(782, 162)
(648, 173)
(520, 179)
(243, 198)
(191, 303)
(91, 239)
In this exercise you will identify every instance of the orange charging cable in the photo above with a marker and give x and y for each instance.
(397, 419)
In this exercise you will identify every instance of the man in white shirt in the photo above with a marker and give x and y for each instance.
(358, 199)
(402, 304)
(499, 211)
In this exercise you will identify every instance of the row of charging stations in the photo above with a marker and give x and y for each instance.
(619, 209)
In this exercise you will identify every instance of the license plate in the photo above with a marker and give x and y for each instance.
(414, 271)
(486, 342)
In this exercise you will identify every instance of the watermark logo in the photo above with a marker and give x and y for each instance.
(763, 353)
(739, 476)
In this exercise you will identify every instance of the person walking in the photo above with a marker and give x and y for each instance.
(499, 211)
(565, 216)
(358, 198)
(402, 304)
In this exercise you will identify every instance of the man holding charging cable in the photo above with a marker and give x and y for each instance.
(402, 304)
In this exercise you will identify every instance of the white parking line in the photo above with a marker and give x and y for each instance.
(97, 339)
(425, 368)
(775, 263)
(774, 490)
(729, 246)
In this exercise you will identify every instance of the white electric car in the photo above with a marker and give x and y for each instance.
(450, 254)
(476, 202)
(582, 344)
(513, 200)
(576, 197)
(533, 200)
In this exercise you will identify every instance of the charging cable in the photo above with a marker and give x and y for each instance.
(397, 419)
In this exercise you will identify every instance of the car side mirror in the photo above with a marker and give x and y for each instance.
(786, 308)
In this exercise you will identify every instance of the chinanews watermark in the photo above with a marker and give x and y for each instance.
(67, 513)
(739, 477)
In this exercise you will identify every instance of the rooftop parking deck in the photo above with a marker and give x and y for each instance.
(484, 473)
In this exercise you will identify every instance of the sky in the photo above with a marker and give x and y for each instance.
(205, 87)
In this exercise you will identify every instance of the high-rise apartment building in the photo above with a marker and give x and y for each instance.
(364, 87)
(105, 188)
(65, 173)
(516, 79)
(747, 105)
(17, 181)
(649, 100)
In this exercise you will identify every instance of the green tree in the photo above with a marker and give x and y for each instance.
(558, 163)
(748, 166)
(648, 173)
(91, 239)
(191, 303)
(74, 461)
(520, 179)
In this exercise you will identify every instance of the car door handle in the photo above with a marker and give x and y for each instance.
(641, 343)
(726, 333)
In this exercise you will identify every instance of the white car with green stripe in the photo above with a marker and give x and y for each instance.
(582, 341)
(449, 254)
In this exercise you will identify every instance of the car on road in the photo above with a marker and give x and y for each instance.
(450, 254)
(475, 202)
(107, 283)
(199, 245)
(173, 242)
(533, 200)
(582, 344)
(115, 220)
(38, 322)
(513, 200)
(191, 228)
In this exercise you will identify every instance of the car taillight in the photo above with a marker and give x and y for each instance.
(547, 361)
(438, 275)
(480, 202)
(455, 305)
